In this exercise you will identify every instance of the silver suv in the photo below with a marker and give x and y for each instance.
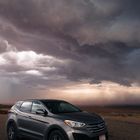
(53, 120)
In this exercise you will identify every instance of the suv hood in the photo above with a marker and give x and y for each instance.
(82, 117)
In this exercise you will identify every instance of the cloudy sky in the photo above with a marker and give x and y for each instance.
(83, 51)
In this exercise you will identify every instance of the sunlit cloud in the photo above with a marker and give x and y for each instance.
(106, 93)
(33, 72)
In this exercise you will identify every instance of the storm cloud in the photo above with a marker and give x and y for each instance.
(51, 43)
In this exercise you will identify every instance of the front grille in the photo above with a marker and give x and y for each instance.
(83, 137)
(95, 128)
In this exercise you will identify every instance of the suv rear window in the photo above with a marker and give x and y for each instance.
(26, 107)
(18, 104)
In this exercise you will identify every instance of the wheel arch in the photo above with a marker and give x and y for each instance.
(11, 121)
(53, 128)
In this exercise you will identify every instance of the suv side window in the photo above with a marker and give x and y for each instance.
(26, 106)
(36, 106)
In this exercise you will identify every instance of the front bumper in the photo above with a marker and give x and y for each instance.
(85, 135)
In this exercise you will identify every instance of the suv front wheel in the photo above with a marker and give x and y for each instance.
(12, 131)
(57, 135)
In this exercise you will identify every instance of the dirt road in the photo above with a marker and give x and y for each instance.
(118, 130)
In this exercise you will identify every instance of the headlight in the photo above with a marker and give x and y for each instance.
(74, 124)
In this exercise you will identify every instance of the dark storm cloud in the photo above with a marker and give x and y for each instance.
(114, 62)
(99, 39)
(85, 21)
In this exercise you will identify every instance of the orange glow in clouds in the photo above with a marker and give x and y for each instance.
(102, 94)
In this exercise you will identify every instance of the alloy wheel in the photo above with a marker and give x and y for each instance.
(11, 133)
(56, 137)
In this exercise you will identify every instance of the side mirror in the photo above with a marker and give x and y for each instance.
(41, 112)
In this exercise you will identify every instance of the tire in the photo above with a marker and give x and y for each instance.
(12, 132)
(57, 135)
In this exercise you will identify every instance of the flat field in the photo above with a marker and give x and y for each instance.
(123, 123)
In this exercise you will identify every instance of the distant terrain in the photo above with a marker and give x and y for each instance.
(4, 108)
(123, 122)
(130, 114)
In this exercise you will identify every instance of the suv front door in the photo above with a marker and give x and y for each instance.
(38, 122)
(23, 118)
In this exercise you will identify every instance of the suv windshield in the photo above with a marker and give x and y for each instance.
(57, 107)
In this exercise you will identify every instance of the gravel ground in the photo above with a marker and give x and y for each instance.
(118, 130)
